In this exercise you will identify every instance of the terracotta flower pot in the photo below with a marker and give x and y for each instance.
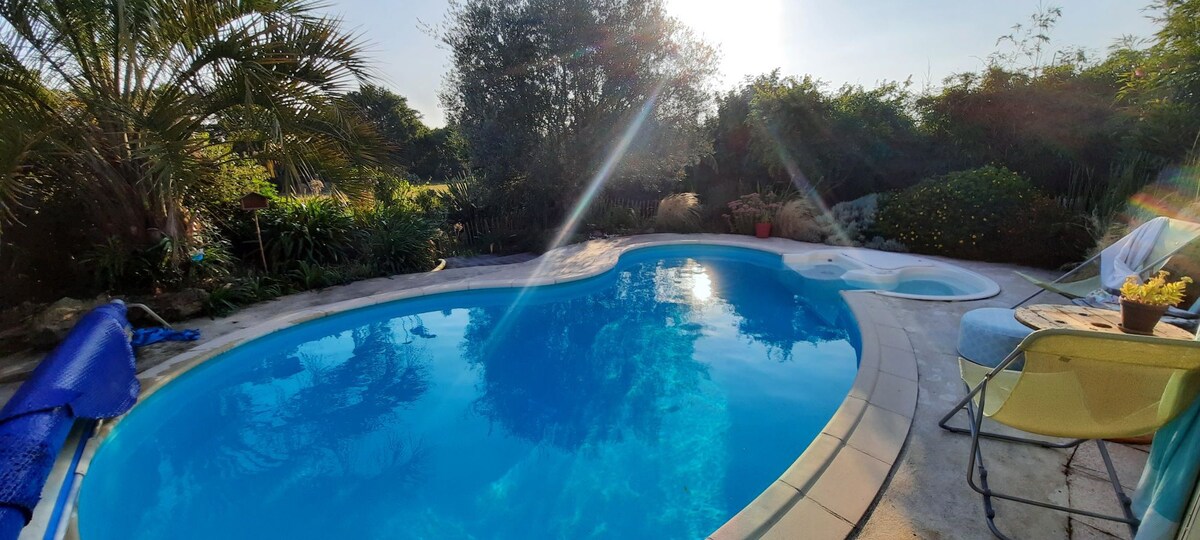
(1139, 317)
(762, 230)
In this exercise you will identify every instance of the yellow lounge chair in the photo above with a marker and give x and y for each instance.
(1177, 234)
(1077, 385)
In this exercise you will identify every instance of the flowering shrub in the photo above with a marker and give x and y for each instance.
(750, 209)
(990, 213)
(754, 206)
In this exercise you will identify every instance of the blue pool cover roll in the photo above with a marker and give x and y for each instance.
(92, 375)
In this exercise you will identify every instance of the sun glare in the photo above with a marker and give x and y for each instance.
(701, 286)
(749, 33)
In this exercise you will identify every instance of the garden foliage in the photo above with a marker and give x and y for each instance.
(133, 186)
(989, 213)
(545, 92)
(678, 213)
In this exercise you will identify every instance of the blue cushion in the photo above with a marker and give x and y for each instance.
(987, 335)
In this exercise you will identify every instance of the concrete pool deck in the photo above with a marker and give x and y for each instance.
(924, 495)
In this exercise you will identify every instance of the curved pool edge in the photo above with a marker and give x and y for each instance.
(858, 446)
(829, 489)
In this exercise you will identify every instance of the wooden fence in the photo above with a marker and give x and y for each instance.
(644, 208)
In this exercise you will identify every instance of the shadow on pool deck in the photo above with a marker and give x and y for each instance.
(928, 497)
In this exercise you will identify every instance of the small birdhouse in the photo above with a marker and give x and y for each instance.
(254, 201)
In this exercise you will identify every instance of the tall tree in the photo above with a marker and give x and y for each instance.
(118, 101)
(1165, 87)
(544, 91)
(435, 155)
(776, 132)
(399, 125)
(1176, 50)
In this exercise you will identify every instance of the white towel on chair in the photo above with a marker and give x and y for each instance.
(1128, 256)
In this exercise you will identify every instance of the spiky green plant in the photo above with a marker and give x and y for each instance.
(119, 99)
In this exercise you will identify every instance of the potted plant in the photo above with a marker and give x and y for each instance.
(762, 229)
(756, 209)
(1143, 304)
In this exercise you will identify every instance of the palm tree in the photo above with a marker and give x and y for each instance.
(128, 103)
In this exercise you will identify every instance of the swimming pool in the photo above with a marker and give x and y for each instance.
(657, 399)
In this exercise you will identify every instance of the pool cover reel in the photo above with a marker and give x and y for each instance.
(90, 375)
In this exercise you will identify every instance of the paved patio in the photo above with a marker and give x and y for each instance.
(926, 495)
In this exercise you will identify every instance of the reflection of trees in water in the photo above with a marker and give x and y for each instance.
(610, 379)
(334, 401)
(791, 317)
(581, 370)
(324, 418)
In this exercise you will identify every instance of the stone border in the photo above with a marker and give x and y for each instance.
(829, 488)
(857, 448)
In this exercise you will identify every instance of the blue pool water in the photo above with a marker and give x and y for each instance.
(654, 401)
(927, 287)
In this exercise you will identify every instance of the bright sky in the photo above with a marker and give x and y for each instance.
(861, 42)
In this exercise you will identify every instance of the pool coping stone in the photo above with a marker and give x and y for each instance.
(830, 487)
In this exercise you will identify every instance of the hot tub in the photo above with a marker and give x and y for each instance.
(893, 274)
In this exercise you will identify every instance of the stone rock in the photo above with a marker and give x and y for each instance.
(20, 314)
(48, 327)
(173, 306)
(14, 326)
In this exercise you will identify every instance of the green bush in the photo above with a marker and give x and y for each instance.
(851, 223)
(989, 213)
(316, 230)
(465, 197)
(1045, 234)
(399, 239)
(308, 276)
(117, 267)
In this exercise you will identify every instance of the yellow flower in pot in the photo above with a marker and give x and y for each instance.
(1143, 304)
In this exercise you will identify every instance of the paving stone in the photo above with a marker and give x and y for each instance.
(880, 433)
(753, 518)
(899, 362)
(850, 483)
(808, 520)
(848, 416)
(1127, 459)
(806, 470)
(1096, 494)
(895, 394)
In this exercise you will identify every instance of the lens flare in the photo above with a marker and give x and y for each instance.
(797, 177)
(1174, 194)
(606, 169)
(597, 182)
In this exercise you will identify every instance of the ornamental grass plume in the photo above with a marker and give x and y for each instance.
(678, 213)
(798, 219)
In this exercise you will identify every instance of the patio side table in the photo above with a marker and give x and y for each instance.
(1046, 316)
